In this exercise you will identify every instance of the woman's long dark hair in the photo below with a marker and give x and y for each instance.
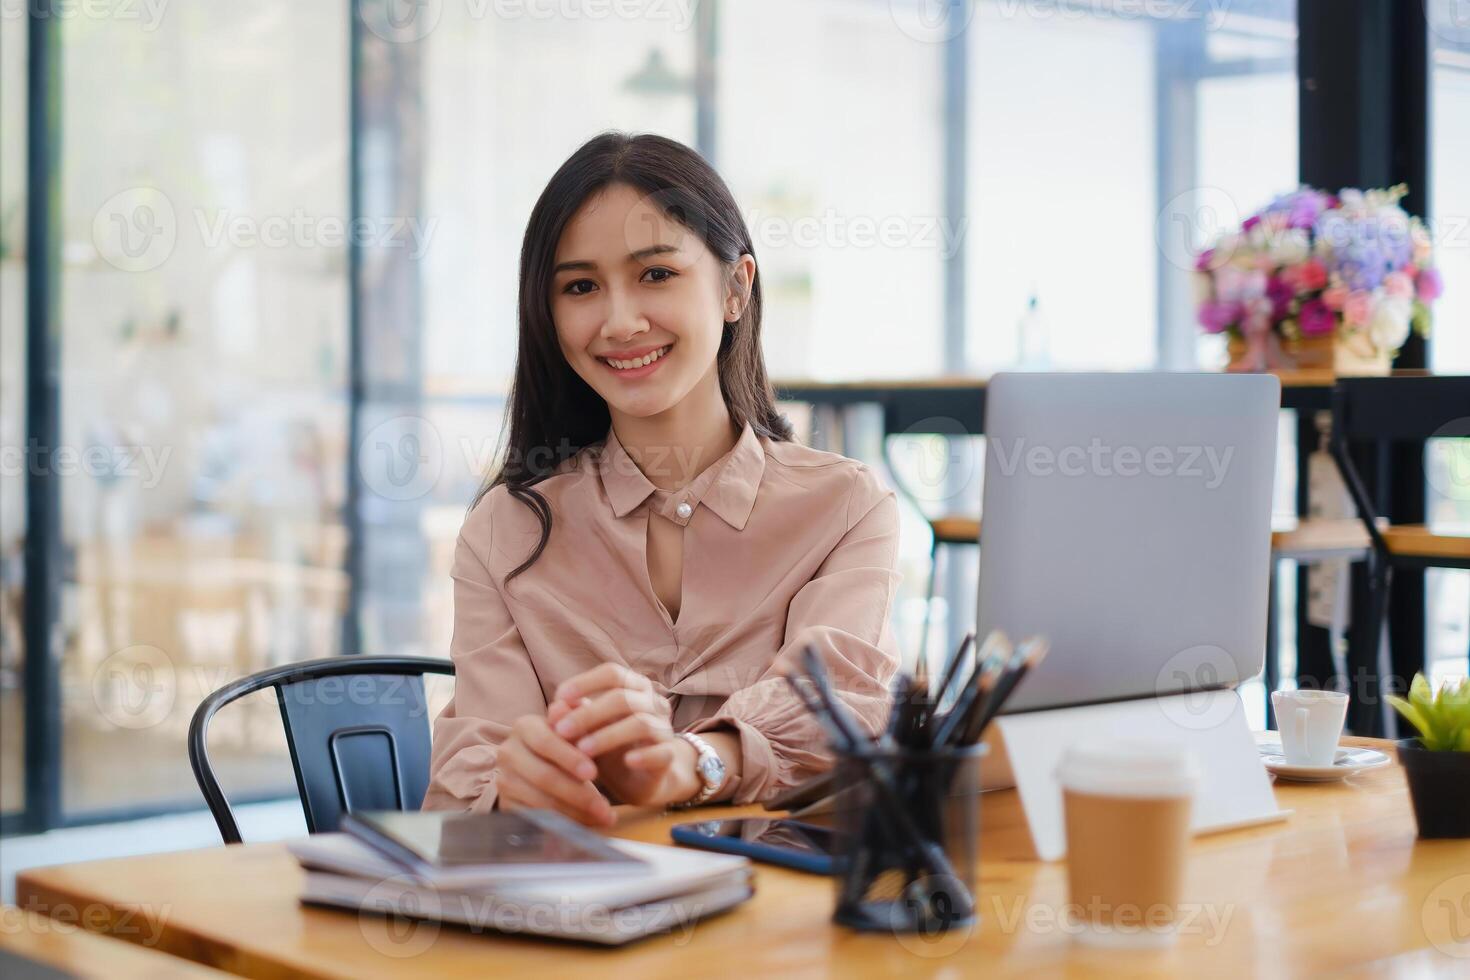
(553, 414)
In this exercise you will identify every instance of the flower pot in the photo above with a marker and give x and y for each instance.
(1354, 354)
(1439, 785)
(1345, 355)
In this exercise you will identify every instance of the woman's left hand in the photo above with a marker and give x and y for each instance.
(614, 715)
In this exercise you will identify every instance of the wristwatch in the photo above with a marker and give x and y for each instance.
(709, 767)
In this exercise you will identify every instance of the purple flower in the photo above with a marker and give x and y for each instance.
(1217, 315)
(1281, 293)
(1316, 319)
(1431, 285)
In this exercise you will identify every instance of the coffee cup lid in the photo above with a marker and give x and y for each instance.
(1129, 767)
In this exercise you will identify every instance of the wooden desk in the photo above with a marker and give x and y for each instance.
(71, 948)
(1342, 885)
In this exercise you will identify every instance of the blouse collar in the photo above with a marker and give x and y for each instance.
(727, 486)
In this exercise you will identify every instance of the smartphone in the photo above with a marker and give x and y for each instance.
(788, 843)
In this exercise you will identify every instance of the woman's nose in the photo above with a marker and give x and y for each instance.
(624, 319)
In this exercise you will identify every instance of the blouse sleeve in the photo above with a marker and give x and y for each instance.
(494, 684)
(844, 611)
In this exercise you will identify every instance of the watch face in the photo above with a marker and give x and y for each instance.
(712, 770)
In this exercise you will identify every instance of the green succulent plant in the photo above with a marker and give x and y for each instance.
(1443, 718)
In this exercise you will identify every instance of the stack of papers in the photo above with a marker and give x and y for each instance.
(667, 889)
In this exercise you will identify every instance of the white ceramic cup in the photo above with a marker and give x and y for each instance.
(1311, 724)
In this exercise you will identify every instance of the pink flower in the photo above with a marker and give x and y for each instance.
(1358, 308)
(1308, 277)
(1431, 285)
(1281, 293)
(1316, 319)
(1335, 297)
(1215, 316)
(1257, 317)
(1399, 285)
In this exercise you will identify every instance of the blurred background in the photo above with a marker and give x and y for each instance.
(258, 268)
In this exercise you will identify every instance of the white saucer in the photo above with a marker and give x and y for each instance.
(1349, 762)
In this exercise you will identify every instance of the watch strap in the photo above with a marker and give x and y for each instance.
(705, 751)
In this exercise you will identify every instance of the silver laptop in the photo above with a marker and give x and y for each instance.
(1127, 518)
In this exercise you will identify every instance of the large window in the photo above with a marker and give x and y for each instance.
(506, 100)
(1028, 181)
(1448, 460)
(203, 350)
(1449, 146)
(1105, 147)
(13, 63)
(832, 139)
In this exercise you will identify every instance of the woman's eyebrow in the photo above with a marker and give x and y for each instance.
(659, 249)
(638, 256)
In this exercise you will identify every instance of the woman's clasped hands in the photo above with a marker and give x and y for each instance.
(606, 729)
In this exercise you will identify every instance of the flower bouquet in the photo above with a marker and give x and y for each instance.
(1320, 280)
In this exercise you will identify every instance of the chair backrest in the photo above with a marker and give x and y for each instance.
(358, 729)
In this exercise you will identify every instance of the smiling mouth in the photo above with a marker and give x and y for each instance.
(633, 364)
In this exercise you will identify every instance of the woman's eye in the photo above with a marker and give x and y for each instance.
(659, 274)
(579, 287)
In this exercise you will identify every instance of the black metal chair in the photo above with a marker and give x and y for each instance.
(358, 729)
(1384, 411)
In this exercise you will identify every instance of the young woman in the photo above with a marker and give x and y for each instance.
(655, 550)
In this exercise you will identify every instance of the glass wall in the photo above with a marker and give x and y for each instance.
(831, 136)
(1448, 460)
(507, 97)
(13, 64)
(203, 312)
(1105, 149)
(204, 290)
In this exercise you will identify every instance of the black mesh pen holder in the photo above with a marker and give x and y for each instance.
(908, 839)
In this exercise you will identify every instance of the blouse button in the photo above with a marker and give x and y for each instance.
(684, 510)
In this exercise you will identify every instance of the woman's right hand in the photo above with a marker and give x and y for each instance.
(540, 769)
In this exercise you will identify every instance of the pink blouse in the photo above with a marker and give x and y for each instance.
(784, 545)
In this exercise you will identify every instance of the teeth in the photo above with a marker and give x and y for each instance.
(639, 362)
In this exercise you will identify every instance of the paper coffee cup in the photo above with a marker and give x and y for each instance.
(1127, 806)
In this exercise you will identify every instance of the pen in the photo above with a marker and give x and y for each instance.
(953, 670)
(1031, 653)
(989, 662)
